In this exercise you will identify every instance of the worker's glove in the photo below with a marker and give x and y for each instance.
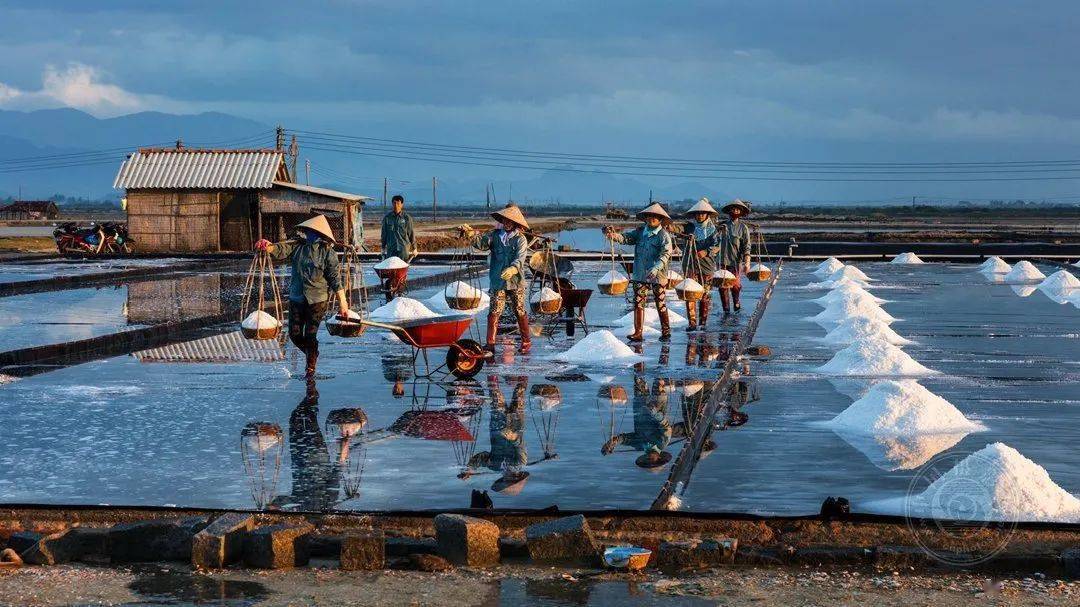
(609, 232)
(343, 313)
(509, 273)
(263, 245)
(702, 254)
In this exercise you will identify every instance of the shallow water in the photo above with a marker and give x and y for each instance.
(121, 431)
(36, 270)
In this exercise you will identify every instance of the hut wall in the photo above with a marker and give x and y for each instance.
(183, 221)
(238, 220)
(283, 208)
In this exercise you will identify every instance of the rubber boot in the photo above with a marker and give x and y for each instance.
(526, 336)
(735, 299)
(725, 300)
(492, 331)
(691, 316)
(665, 326)
(639, 325)
(312, 360)
(703, 307)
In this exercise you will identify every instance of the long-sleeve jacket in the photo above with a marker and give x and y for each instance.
(735, 243)
(507, 249)
(314, 269)
(706, 238)
(398, 236)
(652, 429)
(652, 253)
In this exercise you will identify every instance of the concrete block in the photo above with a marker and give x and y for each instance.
(156, 540)
(278, 546)
(222, 542)
(564, 539)
(513, 548)
(468, 541)
(65, 546)
(404, 546)
(696, 553)
(363, 552)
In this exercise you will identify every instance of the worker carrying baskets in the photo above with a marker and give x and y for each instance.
(509, 247)
(652, 255)
(735, 244)
(701, 238)
(314, 276)
(398, 242)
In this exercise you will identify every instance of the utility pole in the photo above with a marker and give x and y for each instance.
(279, 138)
(293, 155)
(434, 198)
(307, 170)
(487, 196)
(385, 186)
(650, 196)
(511, 199)
(913, 202)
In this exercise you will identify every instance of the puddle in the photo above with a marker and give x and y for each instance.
(161, 586)
(559, 593)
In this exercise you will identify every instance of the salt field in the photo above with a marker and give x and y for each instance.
(973, 363)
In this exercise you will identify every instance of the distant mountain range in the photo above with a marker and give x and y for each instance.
(55, 135)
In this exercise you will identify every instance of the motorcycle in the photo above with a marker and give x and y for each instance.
(108, 238)
(116, 238)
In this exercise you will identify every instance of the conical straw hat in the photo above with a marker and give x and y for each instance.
(702, 206)
(654, 209)
(513, 214)
(737, 203)
(319, 225)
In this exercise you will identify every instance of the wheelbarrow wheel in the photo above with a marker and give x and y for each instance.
(465, 358)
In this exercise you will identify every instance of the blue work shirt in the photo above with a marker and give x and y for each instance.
(652, 253)
(508, 249)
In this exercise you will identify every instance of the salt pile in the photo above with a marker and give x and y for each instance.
(843, 309)
(401, 308)
(893, 453)
(828, 266)
(848, 290)
(259, 320)
(689, 284)
(437, 303)
(613, 277)
(906, 258)
(1059, 286)
(723, 274)
(545, 294)
(1023, 290)
(673, 278)
(902, 408)
(850, 272)
(391, 263)
(852, 330)
(351, 315)
(598, 348)
(996, 483)
(626, 330)
(995, 265)
(461, 290)
(838, 283)
(874, 359)
(1024, 271)
(651, 318)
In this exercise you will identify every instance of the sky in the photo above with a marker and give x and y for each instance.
(821, 81)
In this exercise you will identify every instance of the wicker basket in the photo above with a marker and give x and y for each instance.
(689, 295)
(614, 395)
(613, 288)
(551, 306)
(392, 273)
(759, 273)
(462, 303)
(262, 333)
(724, 281)
(345, 328)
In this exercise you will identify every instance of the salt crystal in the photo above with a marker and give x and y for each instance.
(625, 331)
(843, 309)
(722, 274)
(850, 272)
(613, 277)
(828, 266)
(1024, 271)
(877, 358)
(996, 483)
(852, 330)
(1059, 286)
(846, 281)
(652, 317)
(689, 284)
(902, 408)
(848, 290)
(437, 303)
(545, 294)
(400, 309)
(391, 263)
(598, 348)
(461, 290)
(259, 320)
(351, 314)
(907, 258)
(995, 265)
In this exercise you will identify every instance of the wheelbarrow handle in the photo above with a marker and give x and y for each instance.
(380, 325)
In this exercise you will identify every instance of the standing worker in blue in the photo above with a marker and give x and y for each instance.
(398, 239)
(652, 255)
(313, 278)
(734, 251)
(699, 266)
(509, 246)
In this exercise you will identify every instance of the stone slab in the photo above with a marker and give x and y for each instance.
(467, 541)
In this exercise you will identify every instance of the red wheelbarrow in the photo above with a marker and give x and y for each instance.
(464, 357)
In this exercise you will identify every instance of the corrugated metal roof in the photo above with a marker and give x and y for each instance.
(183, 169)
(322, 191)
(228, 347)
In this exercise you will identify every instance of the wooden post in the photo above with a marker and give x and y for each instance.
(434, 209)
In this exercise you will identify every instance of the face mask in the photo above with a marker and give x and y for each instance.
(311, 237)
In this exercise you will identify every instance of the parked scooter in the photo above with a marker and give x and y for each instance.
(107, 238)
(116, 238)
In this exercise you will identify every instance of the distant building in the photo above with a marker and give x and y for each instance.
(200, 200)
(30, 209)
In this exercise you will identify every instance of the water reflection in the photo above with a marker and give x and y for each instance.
(892, 453)
(651, 432)
(507, 453)
(261, 448)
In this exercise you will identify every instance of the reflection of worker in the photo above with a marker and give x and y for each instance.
(398, 239)
(734, 251)
(314, 275)
(506, 273)
(652, 430)
(652, 254)
(699, 261)
(315, 479)
(506, 430)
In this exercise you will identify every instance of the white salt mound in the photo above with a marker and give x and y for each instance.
(437, 303)
(995, 265)
(625, 331)
(843, 309)
(351, 315)
(689, 284)
(829, 283)
(1059, 286)
(876, 358)
(652, 318)
(461, 290)
(828, 266)
(850, 272)
(894, 452)
(722, 274)
(598, 348)
(259, 320)
(902, 408)
(1024, 271)
(848, 290)
(906, 258)
(401, 308)
(996, 483)
(853, 330)
(613, 277)
(1023, 290)
(391, 263)
(545, 294)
